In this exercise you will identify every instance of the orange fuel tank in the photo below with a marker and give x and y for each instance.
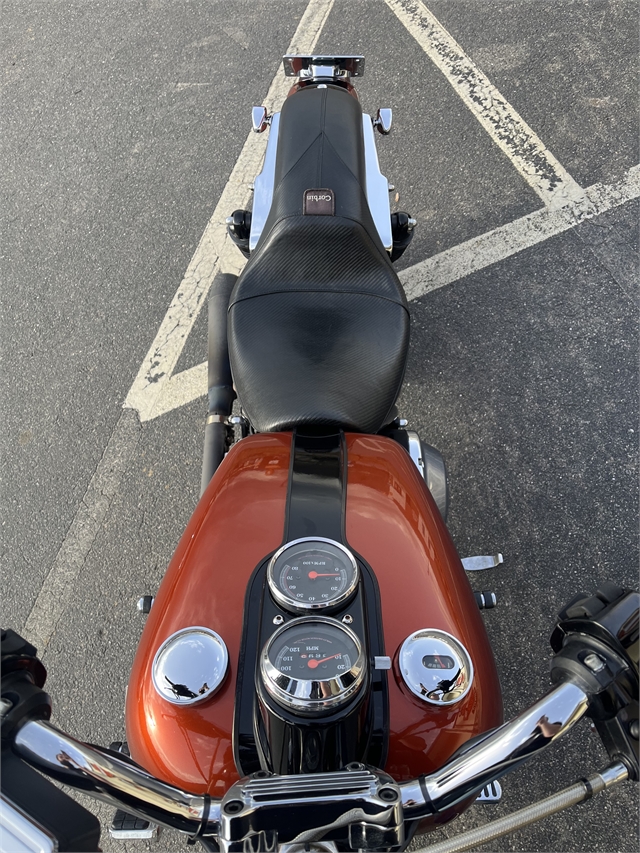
(393, 523)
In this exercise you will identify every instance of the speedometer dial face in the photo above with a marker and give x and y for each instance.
(312, 664)
(311, 574)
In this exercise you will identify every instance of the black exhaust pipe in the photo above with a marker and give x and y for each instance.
(220, 384)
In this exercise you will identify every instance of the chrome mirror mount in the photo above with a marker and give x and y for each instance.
(260, 120)
(383, 120)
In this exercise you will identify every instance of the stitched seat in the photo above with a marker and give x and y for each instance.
(318, 321)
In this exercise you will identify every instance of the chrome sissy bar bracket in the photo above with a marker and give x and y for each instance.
(313, 66)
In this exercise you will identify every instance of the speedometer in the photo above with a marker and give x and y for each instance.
(312, 664)
(311, 574)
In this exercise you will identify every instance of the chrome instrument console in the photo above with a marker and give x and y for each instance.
(312, 691)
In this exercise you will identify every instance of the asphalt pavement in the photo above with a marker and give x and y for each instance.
(121, 124)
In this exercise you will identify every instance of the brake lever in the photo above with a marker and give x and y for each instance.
(596, 645)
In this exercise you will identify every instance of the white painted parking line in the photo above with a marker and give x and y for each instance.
(155, 390)
(59, 586)
(507, 128)
(189, 385)
(480, 252)
(158, 390)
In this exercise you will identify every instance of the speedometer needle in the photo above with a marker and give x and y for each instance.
(314, 575)
(313, 663)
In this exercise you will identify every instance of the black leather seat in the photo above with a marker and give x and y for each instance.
(318, 321)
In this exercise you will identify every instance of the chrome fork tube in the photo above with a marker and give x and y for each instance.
(112, 779)
(501, 751)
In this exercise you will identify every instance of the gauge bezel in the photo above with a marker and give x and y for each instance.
(411, 673)
(159, 663)
(295, 693)
(295, 606)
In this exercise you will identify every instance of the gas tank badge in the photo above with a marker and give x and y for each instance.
(190, 666)
(435, 666)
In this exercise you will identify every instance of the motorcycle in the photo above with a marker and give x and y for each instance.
(314, 672)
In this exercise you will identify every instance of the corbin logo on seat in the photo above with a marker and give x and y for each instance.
(319, 202)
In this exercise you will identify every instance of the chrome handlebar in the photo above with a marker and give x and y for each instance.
(595, 668)
(105, 776)
(499, 752)
(108, 777)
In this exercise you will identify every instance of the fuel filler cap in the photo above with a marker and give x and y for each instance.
(190, 666)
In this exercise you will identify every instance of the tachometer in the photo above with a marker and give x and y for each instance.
(313, 664)
(311, 574)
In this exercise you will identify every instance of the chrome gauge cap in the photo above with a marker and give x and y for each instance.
(313, 664)
(435, 666)
(190, 666)
(311, 574)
